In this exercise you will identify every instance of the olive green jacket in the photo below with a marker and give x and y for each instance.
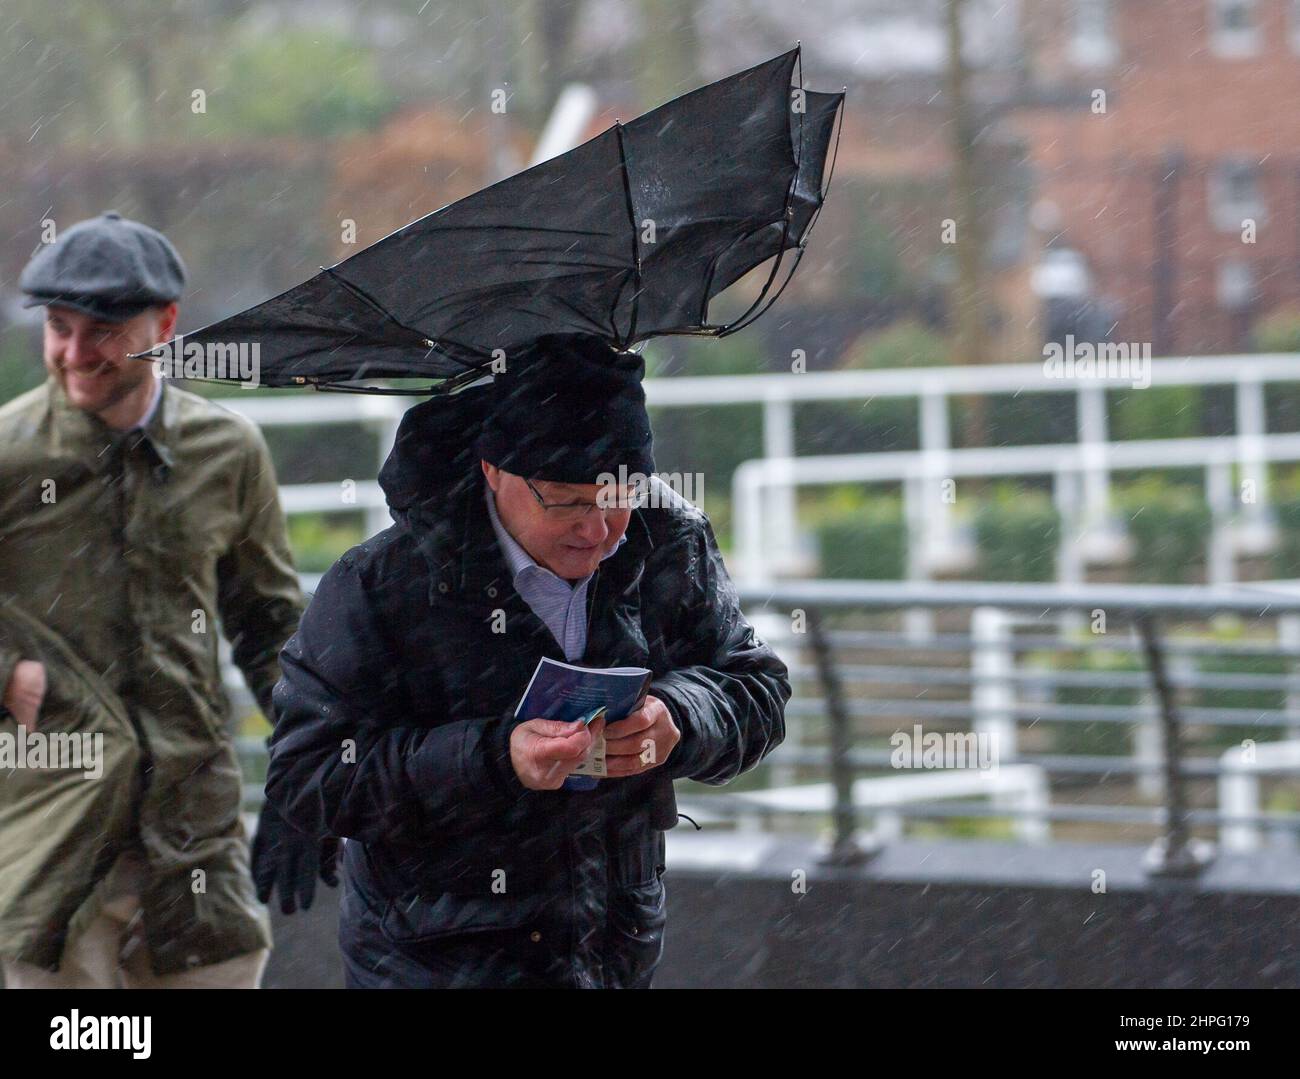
(118, 552)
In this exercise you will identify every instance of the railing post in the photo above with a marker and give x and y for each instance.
(918, 622)
(936, 442)
(778, 445)
(1093, 435)
(1288, 636)
(1220, 558)
(1238, 797)
(1252, 425)
(1070, 565)
(845, 848)
(1176, 853)
(1148, 746)
(774, 627)
(993, 694)
(747, 515)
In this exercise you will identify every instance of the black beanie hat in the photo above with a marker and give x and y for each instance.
(567, 408)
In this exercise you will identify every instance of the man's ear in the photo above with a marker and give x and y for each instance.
(167, 322)
(492, 473)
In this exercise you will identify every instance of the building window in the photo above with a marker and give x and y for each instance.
(1091, 43)
(1234, 285)
(1234, 27)
(1234, 195)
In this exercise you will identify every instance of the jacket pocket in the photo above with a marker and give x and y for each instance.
(422, 918)
(638, 915)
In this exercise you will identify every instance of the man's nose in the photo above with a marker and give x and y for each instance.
(593, 528)
(78, 352)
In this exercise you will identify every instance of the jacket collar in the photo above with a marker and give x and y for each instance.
(89, 438)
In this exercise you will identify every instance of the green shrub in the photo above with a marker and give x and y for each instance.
(1101, 738)
(317, 539)
(962, 828)
(861, 536)
(1286, 557)
(1017, 533)
(1278, 331)
(1170, 528)
(1282, 407)
(883, 424)
(1028, 419)
(904, 344)
(1219, 738)
(1155, 412)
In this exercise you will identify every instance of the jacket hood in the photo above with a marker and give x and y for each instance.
(434, 460)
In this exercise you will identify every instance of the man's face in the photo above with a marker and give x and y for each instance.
(569, 549)
(88, 357)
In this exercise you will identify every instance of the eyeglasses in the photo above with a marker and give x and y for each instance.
(575, 511)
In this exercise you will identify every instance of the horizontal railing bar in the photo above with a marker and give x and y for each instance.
(1016, 595)
(1047, 712)
(694, 391)
(867, 760)
(924, 676)
(1100, 814)
(964, 642)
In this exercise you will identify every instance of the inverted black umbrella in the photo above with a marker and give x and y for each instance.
(626, 237)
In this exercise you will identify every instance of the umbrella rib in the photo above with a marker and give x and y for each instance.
(366, 298)
(830, 172)
(636, 246)
(732, 327)
(741, 322)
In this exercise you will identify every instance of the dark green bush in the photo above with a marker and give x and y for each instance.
(1170, 528)
(1017, 534)
(1100, 738)
(861, 537)
(1286, 558)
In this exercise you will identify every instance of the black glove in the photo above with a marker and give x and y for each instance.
(284, 856)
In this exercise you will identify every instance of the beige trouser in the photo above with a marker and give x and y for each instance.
(111, 952)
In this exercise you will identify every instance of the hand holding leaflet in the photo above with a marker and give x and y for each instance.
(563, 691)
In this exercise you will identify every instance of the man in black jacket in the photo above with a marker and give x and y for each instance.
(467, 864)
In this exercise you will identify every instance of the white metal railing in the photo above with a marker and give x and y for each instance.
(1022, 788)
(1000, 615)
(932, 543)
(766, 488)
(1239, 795)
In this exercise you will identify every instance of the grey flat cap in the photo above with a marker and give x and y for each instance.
(108, 267)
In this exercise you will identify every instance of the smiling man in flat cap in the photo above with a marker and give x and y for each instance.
(132, 515)
(467, 863)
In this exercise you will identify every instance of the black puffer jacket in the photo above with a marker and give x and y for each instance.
(395, 710)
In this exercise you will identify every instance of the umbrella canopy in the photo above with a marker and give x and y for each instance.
(626, 237)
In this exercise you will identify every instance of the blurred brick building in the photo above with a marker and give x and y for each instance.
(1165, 152)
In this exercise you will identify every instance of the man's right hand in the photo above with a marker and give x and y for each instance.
(25, 692)
(544, 751)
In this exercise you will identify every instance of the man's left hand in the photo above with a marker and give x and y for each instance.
(641, 741)
(284, 858)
